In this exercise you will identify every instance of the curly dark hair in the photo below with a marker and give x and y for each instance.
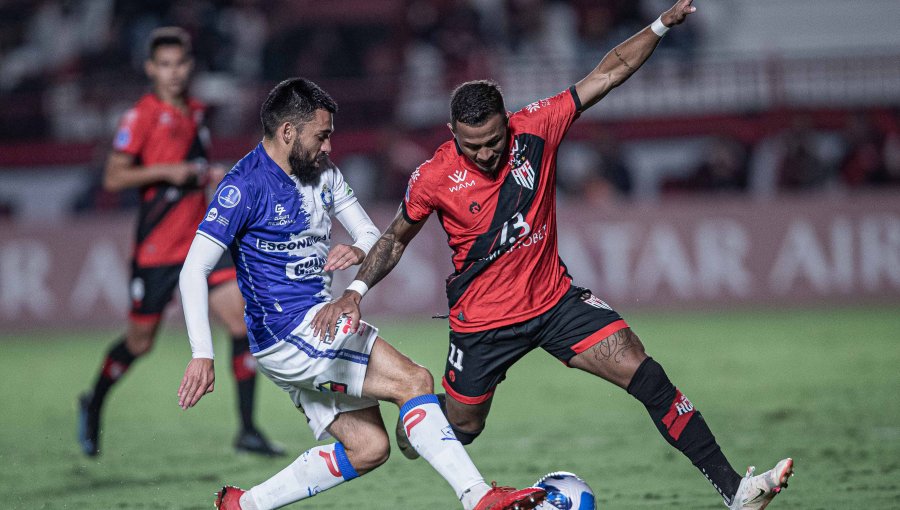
(294, 100)
(474, 101)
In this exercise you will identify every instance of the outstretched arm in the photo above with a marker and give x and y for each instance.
(199, 376)
(378, 263)
(626, 58)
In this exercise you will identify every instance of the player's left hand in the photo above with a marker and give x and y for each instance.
(343, 256)
(326, 320)
(678, 13)
(199, 379)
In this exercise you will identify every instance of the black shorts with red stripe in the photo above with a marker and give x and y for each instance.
(152, 287)
(477, 362)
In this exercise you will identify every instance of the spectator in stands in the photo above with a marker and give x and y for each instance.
(723, 168)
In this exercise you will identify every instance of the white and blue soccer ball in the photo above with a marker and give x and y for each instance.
(566, 491)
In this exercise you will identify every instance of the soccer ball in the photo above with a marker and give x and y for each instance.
(566, 491)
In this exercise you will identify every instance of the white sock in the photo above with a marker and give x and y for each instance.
(317, 469)
(430, 434)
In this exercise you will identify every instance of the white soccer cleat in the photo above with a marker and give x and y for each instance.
(756, 492)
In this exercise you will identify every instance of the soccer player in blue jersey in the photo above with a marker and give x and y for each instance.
(273, 212)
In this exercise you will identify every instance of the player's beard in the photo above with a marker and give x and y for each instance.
(305, 167)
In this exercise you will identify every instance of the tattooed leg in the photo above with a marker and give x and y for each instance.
(615, 359)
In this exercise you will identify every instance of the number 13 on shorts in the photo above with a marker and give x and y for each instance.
(456, 358)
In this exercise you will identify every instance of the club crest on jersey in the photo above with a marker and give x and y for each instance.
(474, 207)
(229, 196)
(459, 177)
(522, 171)
(327, 196)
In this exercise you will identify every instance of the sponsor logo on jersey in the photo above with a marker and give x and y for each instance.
(287, 246)
(459, 176)
(212, 214)
(535, 106)
(229, 196)
(280, 218)
(308, 266)
(464, 185)
(332, 386)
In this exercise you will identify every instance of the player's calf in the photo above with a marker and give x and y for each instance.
(682, 425)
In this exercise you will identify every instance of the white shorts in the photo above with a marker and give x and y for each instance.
(323, 378)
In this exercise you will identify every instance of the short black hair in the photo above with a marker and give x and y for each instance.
(294, 100)
(169, 36)
(474, 101)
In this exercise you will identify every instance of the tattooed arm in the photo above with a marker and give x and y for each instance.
(625, 59)
(378, 263)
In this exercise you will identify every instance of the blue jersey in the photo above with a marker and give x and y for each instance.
(279, 234)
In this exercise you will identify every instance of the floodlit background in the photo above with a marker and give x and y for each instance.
(751, 167)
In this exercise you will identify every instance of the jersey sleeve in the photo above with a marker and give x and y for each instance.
(134, 129)
(229, 212)
(551, 117)
(341, 192)
(417, 204)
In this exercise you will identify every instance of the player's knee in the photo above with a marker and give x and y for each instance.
(419, 382)
(369, 454)
(467, 437)
(139, 344)
(466, 428)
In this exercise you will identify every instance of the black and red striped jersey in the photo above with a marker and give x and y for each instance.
(154, 132)
(502, 231)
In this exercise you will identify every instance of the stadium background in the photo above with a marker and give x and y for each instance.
(747, 178)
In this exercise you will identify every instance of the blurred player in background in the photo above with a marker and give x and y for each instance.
(161, 148)
(273, 211)
(493, 187)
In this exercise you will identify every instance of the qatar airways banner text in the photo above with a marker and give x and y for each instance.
(693, 253)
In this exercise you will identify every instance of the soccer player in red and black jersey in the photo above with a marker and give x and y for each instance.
(493, 189)
(161, 149)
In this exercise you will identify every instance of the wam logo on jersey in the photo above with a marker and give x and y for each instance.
(459, 177)
(229, 196)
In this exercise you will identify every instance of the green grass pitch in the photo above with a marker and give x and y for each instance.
(821, 386)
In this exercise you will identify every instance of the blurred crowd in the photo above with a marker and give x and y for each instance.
(69, 68)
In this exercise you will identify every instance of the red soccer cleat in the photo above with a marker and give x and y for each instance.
(229, 498)
(510, 498)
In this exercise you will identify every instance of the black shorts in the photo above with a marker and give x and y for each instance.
(477, 362)
(152, 287)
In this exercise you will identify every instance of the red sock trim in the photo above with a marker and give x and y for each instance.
(680, 413)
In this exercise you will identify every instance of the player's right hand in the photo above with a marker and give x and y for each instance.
(180, 174)
(199, 379)
(325, 322)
